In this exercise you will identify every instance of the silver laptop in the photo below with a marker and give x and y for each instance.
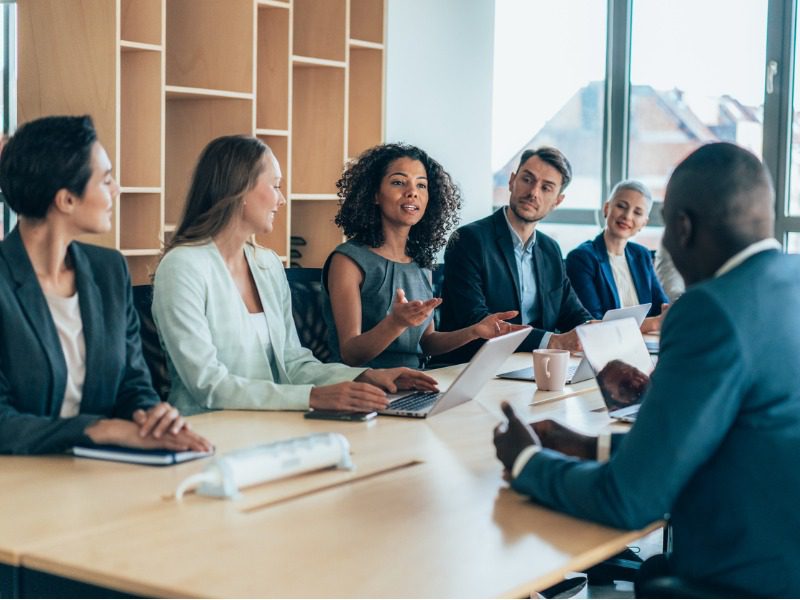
(469, 382)
(582, 371)
(615, 340)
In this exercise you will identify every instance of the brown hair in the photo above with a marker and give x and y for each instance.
(554, 158)
(227, 169)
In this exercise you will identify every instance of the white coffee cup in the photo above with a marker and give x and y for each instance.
(550, 369)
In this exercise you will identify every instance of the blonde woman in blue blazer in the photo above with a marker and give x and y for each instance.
(223, 308)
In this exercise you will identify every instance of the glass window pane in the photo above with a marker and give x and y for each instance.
(693, 81)
(793, 243)
(794, 167)
(549, 91)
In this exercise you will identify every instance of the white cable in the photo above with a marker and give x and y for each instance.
(192, 482)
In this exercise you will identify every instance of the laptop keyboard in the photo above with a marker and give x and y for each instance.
(415, 401)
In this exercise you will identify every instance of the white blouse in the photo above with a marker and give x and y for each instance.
(66, 314)
(622, 277)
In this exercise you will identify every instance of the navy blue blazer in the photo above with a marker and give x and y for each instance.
(589, 270)
(717, 438)
(33, 372)
(481, 278)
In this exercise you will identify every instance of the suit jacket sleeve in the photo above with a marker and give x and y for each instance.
(682, 421)
(25, 433)
(136, 388)
(582, 271)
(464, 281)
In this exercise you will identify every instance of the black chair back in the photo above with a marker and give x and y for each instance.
(308, 305)
(154, 355)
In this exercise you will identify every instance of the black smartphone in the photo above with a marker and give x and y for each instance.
(340, 415)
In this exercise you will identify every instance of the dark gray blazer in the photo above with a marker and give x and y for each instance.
(717, 439)
(481, 278)
(33, 372)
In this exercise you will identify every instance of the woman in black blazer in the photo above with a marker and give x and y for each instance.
(71, 366)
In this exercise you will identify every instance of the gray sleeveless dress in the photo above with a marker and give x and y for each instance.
(381, 278)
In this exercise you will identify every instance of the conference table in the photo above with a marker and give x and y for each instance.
(425, 513)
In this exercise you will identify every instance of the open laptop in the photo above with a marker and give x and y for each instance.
(582, 371)
(615, 340)
(478, 371)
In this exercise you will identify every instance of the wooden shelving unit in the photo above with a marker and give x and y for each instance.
(161, 78)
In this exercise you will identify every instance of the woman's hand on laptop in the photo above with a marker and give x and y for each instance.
(399, 378)
(348, 395)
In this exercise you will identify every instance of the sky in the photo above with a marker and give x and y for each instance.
(546, 50)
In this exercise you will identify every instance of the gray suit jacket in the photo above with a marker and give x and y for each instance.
(717, 439)
(33, 372)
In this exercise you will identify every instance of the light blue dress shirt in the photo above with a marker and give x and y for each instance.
(523, 256)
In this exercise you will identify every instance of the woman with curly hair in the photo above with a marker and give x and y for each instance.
(397, 206)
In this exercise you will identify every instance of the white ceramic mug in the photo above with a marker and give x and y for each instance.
(550, 369)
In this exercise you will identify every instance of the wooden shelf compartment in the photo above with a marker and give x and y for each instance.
(278, 240)
(365, 107)
(209, 44)
(142, 21)
(141, 216)
(67, 64)
(273, 68)
(140, 119)
(313, 221)
(318, 136)
(366, 20)
(190, 124)
(142, 268)
(320, 28)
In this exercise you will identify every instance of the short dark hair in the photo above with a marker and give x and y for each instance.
(44, 156)
(554, 158)
(360, 217)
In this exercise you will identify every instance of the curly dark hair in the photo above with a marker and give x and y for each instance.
(360, 218)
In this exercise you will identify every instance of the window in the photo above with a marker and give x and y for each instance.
(675, 75)
(549, 90)
(8, 100)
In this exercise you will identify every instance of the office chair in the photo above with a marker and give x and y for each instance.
(308, 302)
(437, 283)
(154, 355)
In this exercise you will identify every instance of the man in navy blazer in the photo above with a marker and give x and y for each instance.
(716, 441)
(502, 263)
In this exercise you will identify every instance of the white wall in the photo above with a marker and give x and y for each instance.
(439, 89)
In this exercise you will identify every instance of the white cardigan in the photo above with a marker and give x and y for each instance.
(215, 357)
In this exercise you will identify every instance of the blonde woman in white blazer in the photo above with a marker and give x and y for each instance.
(223, 308)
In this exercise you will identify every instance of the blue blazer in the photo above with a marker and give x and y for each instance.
(717, 438)
(590, 272)
(33, 372)
(481, 278)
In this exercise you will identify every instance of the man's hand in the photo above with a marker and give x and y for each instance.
(512, 437)
(412, 313)
(622, 384)
(555, 436)
(495, 324)
(399, 378)
(565, 341)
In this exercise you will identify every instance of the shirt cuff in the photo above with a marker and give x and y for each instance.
(603, 446)
(523, 458)
(545, 340)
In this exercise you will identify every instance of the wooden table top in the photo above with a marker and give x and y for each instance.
(425, 513)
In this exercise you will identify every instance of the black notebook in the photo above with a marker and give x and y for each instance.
(159, 458)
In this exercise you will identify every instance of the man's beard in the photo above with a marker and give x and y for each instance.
(522, 217)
